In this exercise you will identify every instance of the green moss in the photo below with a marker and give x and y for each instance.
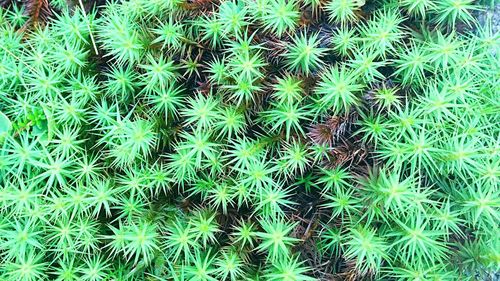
(249, 140)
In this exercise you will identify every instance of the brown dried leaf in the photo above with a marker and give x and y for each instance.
(38, 12)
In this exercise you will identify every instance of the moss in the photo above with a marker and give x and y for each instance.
(248, 140)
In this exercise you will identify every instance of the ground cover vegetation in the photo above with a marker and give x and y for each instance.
(288, 140)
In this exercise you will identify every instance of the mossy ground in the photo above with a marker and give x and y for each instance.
(249, 140)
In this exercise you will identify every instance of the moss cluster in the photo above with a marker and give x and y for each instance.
(288, 140)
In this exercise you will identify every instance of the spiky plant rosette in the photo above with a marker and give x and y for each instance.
(248, 140)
